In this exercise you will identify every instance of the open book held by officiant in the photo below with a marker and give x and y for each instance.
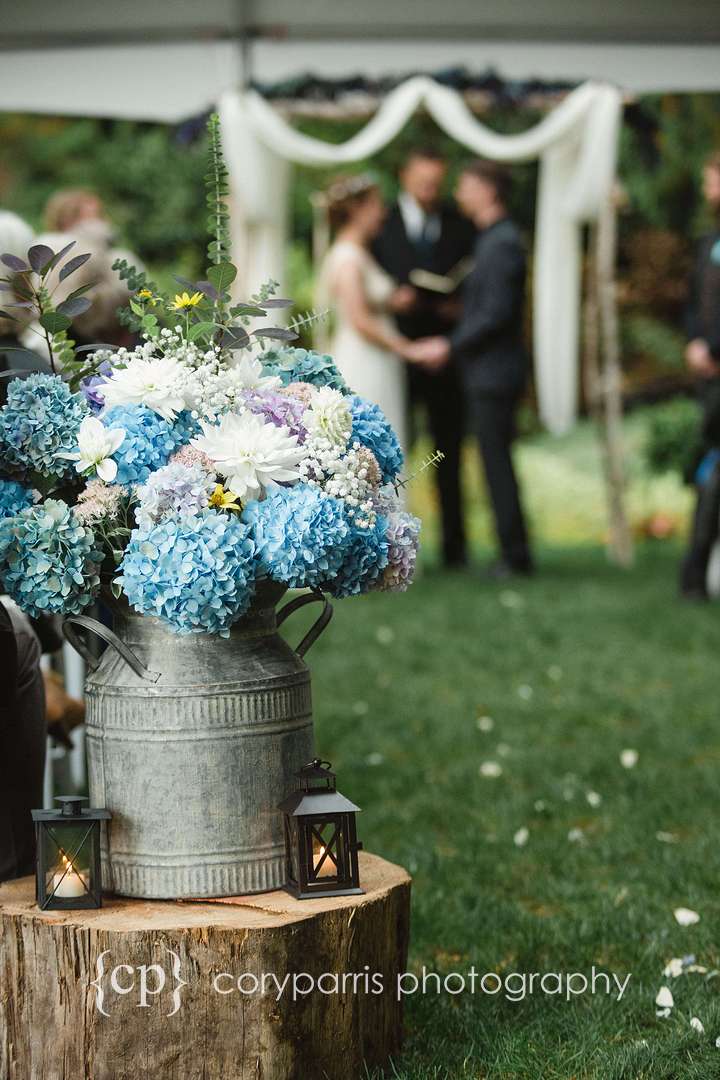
(445, 284)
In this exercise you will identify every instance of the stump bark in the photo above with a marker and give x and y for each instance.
(167, 990)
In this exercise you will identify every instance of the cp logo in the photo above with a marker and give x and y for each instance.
(146, 980)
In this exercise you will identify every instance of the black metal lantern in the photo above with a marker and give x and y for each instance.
(68, 855)
(321, 845)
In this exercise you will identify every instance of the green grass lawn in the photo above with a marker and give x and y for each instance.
(572, 667)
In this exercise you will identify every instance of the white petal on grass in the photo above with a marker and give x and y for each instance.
(664, 999)
(521, 837)
(485, 723)
(374, 759)
(629, 758)
(594, 798)
(686, 916)
(717, 1043)
(555, 672)
(525, 692)
(385, 635)
(666, 837)
(361, 708)
(697, 1025)
(491, 769)
(673, 968)
(511, 600)
(503, 749)
(576, 836)
(539, 806)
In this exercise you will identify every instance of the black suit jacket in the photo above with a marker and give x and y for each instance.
(397, 254)
(487, 343)
(703, 312)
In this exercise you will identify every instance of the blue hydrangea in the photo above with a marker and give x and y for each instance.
(365, 558)
(370, 427)
(303, 365)
(300, 533)
(41, 418)
(49, 561)
(149, 441)
(194, 572)
(14, 497)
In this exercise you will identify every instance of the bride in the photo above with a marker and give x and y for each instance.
(365, 344)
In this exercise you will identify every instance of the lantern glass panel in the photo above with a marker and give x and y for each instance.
(68, 860)
(327, 851)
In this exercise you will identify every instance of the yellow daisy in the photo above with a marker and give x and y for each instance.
(224, 500)
(184, 300)
(146, 294)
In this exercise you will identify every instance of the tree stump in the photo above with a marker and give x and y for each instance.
(259, 987)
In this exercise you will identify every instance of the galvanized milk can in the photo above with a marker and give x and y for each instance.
(192, 742)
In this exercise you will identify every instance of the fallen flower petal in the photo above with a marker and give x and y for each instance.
(686, 916)
(664, 999)
(629, 759)
(697, 1025)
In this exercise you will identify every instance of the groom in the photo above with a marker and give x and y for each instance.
(487, 346)
(422, 233)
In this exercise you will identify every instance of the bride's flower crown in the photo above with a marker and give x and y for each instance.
(343, 188)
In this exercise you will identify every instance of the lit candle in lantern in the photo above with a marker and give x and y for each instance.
(328, 868)
(68, 882)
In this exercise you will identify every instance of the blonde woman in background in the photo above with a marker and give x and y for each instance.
(78, 214)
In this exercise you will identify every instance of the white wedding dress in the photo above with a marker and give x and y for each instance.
(369, 370)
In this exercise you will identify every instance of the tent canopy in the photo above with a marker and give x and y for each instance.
(166, 61)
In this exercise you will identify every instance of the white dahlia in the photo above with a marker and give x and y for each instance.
(154, 381)
(249, 374)
(328, 417)
(250, 454)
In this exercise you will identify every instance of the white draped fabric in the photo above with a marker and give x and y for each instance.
(576, 144)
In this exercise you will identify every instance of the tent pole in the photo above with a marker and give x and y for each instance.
(604, 376)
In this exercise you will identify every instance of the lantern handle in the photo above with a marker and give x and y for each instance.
(314, 596)
(111, 638)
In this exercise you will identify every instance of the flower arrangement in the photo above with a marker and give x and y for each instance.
(182, 472)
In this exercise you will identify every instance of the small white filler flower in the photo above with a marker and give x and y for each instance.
(96, 445)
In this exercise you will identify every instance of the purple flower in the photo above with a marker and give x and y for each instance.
(278, 409)
(88, 386)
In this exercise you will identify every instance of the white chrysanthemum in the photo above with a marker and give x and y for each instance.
(250, 454)
(329, 417)
(153, 381)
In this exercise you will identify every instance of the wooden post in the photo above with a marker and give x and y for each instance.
(167, 990)
(603, 377)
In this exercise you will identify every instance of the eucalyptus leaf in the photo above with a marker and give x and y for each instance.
(221, 275)
(17, 265)
(277, 333)
(40, 256)
(247, 309)
(74, 306)
(95, 347)
(277, 303)
(72, 265)
(235, 338)
(208, 289)
(61, 254)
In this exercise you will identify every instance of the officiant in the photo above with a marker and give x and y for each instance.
(421, 232)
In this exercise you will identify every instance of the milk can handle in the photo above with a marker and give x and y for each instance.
(317, 627)
(112, 639)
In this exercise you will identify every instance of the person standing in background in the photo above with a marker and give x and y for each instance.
(702, 356)
(488, 347)
(422, 233)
